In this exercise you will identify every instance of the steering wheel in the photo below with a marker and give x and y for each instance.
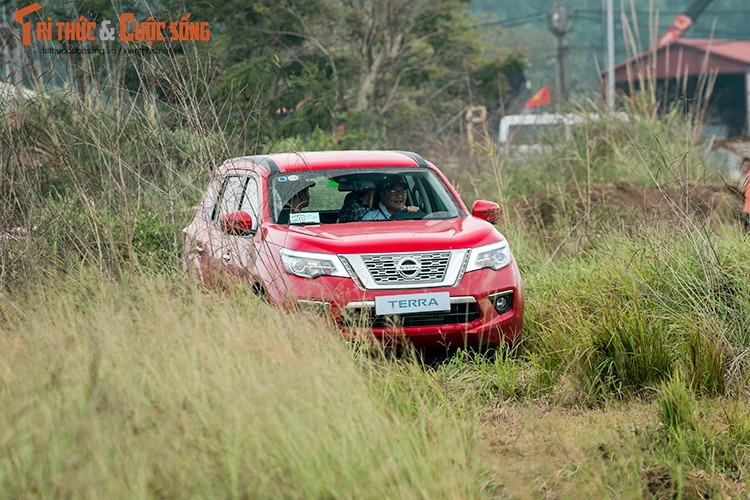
(406, 215)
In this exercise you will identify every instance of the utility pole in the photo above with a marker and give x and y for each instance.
(610, 56)
(558, 26)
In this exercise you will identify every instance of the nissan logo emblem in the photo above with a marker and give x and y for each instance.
(408, 267)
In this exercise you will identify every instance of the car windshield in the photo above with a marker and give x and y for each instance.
(349, 195)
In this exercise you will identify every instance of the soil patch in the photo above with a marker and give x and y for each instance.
(544, 451)
(622, 202)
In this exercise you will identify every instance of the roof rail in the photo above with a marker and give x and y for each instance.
(260, 160)
(414, 156)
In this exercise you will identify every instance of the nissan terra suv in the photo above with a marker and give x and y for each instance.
(432, 272)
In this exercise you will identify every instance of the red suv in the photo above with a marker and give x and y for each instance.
(379, 240)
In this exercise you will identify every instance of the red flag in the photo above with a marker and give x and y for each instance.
(541, 98)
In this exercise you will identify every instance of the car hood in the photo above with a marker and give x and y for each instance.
(386, 236)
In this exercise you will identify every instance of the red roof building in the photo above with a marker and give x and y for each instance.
(681, 70)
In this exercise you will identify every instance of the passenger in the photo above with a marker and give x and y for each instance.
(356, 205)
(392, 192)
(295, 204)
(745, 187)
(300, 200)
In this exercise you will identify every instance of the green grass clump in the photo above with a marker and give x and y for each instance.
(506, 375)
(677, 403)
(701, 449)
(628, 350)
(145, 389)
(627, 315)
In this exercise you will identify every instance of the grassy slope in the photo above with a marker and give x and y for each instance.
(144, 388)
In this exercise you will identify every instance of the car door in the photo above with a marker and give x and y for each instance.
(235, 255)
(199, 234)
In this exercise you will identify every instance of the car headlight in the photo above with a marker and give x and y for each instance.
(311, 265)
(493, 256)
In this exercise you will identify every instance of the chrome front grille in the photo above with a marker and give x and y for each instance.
(408, 270)
(417, 268)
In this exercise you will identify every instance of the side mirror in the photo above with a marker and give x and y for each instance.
(238, 223)
(486, 210)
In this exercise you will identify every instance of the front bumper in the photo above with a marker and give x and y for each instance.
(472, 321)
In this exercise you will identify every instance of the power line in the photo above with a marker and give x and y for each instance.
(514, 22)
(670, 12)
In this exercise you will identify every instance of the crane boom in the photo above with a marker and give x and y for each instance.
(682, 23)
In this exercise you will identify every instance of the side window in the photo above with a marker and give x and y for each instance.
(231, 196)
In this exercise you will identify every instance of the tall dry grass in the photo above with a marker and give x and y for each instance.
(146, 388)
(104, 168)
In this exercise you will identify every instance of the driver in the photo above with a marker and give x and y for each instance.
(392, 192)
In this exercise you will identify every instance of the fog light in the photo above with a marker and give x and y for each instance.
(502, 301)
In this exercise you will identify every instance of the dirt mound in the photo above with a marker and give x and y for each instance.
(622, 202)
